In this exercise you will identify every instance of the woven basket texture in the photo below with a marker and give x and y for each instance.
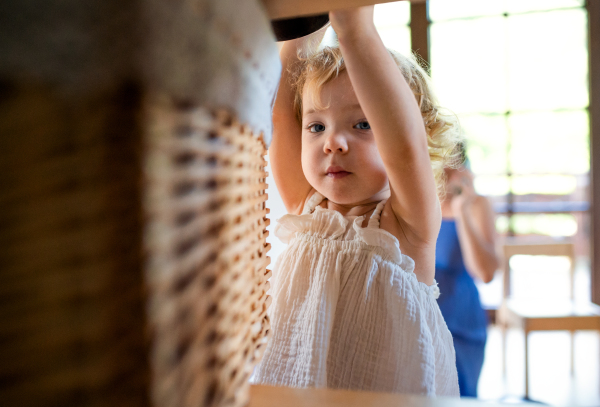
(205, 240)
(71, 281)
(133, 254)
(129, 249)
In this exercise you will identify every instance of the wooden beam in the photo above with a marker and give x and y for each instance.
(593, 7)
(419, 30)
(294, 8)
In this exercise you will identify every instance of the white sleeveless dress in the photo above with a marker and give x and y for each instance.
(348, 311)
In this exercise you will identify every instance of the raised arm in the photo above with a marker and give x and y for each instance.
(392, 111)
(286, 147)
(476, 230)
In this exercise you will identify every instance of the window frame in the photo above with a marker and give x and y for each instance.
(421, 45)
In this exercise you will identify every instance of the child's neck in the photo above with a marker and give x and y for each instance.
(357, 208)
(351, 209)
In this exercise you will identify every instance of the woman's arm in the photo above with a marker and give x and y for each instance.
(286, 146)
(476, 231)
(392, 111)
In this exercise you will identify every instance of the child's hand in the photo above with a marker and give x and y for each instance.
(354, 20)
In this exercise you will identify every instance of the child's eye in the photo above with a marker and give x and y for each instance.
(316, 128)
(363, 126)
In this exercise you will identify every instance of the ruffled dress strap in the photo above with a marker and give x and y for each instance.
(376, 216)
(312, 203)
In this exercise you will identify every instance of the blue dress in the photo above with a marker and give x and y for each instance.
(461, 308)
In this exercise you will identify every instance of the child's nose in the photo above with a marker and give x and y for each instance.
(335, 143)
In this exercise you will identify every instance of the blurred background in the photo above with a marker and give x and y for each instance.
(515, 72)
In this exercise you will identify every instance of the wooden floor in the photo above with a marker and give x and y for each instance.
(549, 352)
(266, 396)
(550, 379)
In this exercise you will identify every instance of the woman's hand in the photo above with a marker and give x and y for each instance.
(475, 222)
(352, 21)
(460, 186)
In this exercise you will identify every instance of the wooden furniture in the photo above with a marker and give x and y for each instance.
(593, 9)
(132, 201)
(277, 9)
(265, 396)
(534, 314)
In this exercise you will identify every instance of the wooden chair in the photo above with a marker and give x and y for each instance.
(544, 314)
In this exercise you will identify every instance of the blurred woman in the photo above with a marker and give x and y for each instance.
(466, 250)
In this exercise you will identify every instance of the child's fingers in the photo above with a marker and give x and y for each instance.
(347, 20)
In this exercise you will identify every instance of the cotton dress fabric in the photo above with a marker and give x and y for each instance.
(349, 313)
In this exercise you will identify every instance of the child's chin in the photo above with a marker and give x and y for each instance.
(342, 198)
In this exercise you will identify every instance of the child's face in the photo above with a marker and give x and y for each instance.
(339, 155)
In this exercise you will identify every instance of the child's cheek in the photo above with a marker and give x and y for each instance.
(374, 158)
(377, 169)
(309, 160)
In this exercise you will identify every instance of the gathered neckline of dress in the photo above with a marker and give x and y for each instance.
(329, 227)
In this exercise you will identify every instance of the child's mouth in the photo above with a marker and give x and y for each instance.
(337, 172)
(340, 174)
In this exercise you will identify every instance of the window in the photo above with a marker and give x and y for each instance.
(516, 74)
(392, 21)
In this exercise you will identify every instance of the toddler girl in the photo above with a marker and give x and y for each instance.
(358, 144)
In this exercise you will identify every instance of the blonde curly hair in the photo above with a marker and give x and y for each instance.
(442, 127)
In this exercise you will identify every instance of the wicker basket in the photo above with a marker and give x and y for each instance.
(206, 252)
(71, 285)
(132, 228)
(74, 330)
